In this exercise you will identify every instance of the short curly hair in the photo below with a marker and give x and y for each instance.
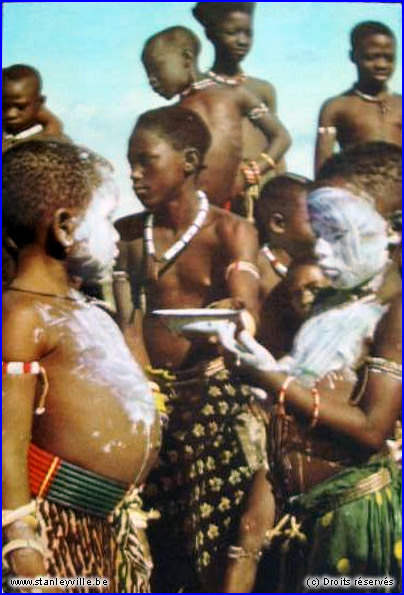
(17, 72)
(40, 177)
(208, 13)
(181, 127)
(363, 30)
(374, 167)
(174, 37)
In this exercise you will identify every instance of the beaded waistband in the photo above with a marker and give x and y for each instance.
(64, 483)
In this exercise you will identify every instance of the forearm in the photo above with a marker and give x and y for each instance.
(19, 522)
(335, 411)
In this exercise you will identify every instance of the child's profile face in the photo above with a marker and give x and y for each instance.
(167, 72)
(375, 58)
(157, 168)
(304, 283)
(95, 249)
(232, 35)
(21, 103)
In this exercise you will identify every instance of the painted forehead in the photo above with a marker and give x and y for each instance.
(336, 209)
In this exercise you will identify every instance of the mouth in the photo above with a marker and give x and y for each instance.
(329, 272)
(140, 190)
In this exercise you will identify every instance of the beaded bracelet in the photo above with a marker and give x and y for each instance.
(282, 395)
(316, 408)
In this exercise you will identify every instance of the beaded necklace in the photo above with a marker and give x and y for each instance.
(382, 103)
(173, 252)
(279, 268)
(223, 79)
(197, 86)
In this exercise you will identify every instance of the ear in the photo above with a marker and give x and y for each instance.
(192, 161)
(42, 99)
(63, 226)
(189, 57)
(277, 223)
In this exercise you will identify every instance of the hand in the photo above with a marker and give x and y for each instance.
(252, 354)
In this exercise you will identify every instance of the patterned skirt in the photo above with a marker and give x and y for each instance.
(211, 449)
(347, 526)
(89, 526)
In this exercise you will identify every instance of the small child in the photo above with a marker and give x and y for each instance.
(284, 228)
(170, 59)
(24, 113)
(73, 463)
(369, 111)
(229, 27)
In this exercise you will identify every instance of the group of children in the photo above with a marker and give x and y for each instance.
(264, 455)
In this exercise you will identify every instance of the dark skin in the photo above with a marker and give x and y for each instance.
(197, 278)
(358, 120)
(171, 71)
(165, 180)
(289, 235)
(232, 37)
(23, 107)
(87, 420)
(287, 306)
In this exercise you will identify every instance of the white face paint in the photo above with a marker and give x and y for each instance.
(95, 249)
(351, 244)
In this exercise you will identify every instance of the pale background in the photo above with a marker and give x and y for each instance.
(89, 56)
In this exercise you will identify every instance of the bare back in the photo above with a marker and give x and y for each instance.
(219, 108)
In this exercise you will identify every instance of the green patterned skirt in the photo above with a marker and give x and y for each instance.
(348, 526)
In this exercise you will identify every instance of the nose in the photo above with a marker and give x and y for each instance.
(10, 112)
(243, 40)
(321, 249)
(136, 173)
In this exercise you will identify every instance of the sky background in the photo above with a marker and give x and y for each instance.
(89, 56)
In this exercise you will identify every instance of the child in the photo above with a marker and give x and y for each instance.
(228, 25)
(284, 228)
(185, 253)
(73, 463)
(24, 113)
(170, 59)
(337, 398)
(288, 306)
(368, 111)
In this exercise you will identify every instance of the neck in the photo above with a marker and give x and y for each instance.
(227, 66)
(36, 271)
(180, 212)
(372, 87)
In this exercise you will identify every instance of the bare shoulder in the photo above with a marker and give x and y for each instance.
(336, 103)
(263, 90)
(24, 330)
(388, 335)
(130, 227)
(231, 228)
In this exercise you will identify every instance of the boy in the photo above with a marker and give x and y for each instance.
(80, 429)
(24, 113)
(284, 228)
(170, 59)
(184, 253)
(228, 25)
(368, 111)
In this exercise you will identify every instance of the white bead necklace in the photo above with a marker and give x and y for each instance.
(172, 253)
(279, 268)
